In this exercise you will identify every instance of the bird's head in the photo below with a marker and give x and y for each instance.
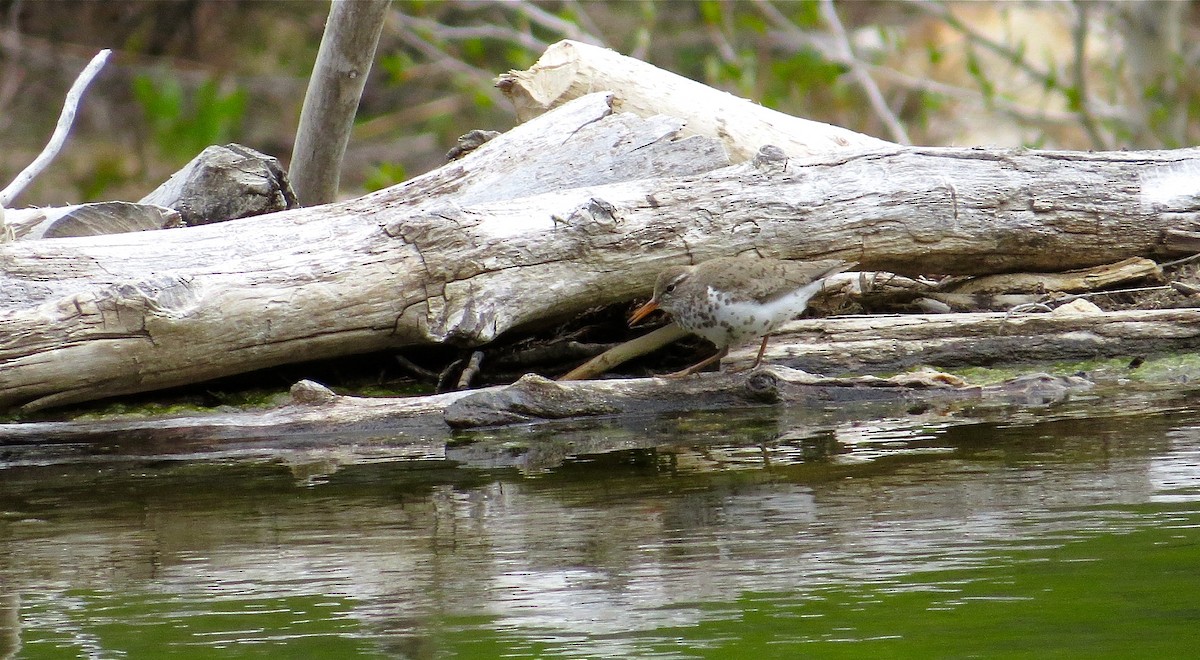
(667, 292)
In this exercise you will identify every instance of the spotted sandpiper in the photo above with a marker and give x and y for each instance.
(731, 300)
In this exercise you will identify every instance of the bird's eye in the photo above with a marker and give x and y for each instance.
(670, 289)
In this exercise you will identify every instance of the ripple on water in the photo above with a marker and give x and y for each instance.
(653, 552)
(1175, 475)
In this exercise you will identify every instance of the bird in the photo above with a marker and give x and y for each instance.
(731, 300)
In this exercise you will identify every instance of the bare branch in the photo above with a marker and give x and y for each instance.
(874, 96)
(439, 57)
(1008, 107)
(1011, 108)
(471, 370)
(720, 41)
(552, 22)
(1079, 70)
(585, 21)
(452, 32)
(939, 11)
(12, 73)
(65, 120)
(327, 117)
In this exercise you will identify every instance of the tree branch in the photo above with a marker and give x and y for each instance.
(339, 74)
(1079, 70)
(874, 96)
(65, 120)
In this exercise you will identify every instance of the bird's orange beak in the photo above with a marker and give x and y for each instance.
(643, 311)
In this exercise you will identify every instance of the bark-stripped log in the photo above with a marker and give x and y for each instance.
(576, 208)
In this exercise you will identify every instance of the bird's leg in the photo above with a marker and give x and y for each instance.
(700, 365)
(761, 349)
(757, 359)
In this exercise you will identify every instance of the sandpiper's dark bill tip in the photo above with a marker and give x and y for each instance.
(642, 312)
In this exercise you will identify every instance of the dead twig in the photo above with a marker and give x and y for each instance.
(627, 351)
(874, 96)
(471, 371)
(1079, 34)
(61, 130)
(416, 369)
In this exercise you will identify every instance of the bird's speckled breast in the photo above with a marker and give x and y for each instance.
(725, 321)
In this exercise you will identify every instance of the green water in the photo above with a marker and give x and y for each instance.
(1070, 538)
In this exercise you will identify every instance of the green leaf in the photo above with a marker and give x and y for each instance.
(975, 69)
(397, 65)
(384, 175)
(181, 130)
(751, 22)
(1074, 98)
(806, 14)
(934, 53)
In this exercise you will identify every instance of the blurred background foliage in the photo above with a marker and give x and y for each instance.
(188, 73)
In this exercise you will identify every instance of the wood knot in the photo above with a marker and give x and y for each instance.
(762, 385)
(770, 158)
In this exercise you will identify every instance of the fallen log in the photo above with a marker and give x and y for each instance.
(224, 183)
(90, 220)
(571, 69)
(577, 208)
(432, 419)
(883, 343)
(1074, 281)
(82, 319)
(219, 184)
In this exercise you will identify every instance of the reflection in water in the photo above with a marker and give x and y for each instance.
(10, 624)
(544, 548)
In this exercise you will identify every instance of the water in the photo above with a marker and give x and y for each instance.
(720, 536)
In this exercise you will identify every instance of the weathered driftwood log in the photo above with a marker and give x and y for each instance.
(533, 398)
(221, 183)
(440, 259)
(571, 69)
(429, 421)
(312, 408)
(90, 220)
(1072, 281)
(224, 183)
(577, 208)
(879, 343)
(886, 343)
(1000, 292)
(436, 259)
